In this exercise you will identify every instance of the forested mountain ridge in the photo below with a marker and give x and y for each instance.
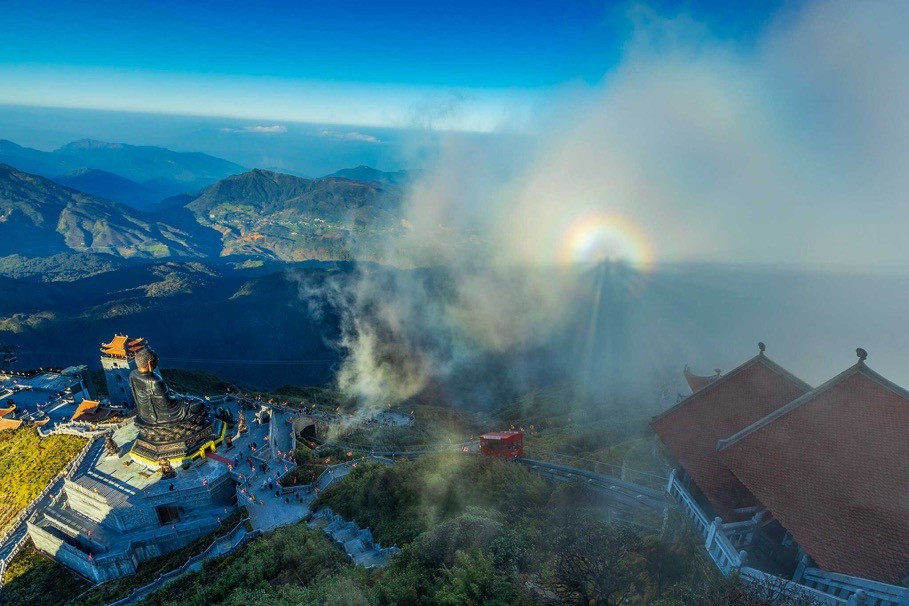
(263, 213)
(39, 218)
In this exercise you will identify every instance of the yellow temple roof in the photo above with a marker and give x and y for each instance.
(121, 346)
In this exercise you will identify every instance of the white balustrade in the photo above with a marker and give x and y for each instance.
(722, 541)
(873, 592)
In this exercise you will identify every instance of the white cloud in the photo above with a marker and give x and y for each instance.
(349, 136)
(268, 130)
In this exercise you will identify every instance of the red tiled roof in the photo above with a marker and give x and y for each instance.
(833, 468)
(697, 382)
(691, 428)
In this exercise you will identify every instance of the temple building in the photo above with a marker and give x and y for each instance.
(808, 484)
(154, 485)
(41, 396)
(117, 360)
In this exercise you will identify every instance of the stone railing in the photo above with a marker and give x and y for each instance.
(721, 550)
(234, 539)
(742, 534)
(844, 586)
(80, 428)
(9, 558)
(689, 507)
(778, 586)
(826, 588)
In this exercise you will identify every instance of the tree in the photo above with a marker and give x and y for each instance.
(665, 563)
(473, 580)
(596, 562)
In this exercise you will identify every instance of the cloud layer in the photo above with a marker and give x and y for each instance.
(790, 151)
(259, 129)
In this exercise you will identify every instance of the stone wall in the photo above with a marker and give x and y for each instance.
(116, 373)
(99, 569)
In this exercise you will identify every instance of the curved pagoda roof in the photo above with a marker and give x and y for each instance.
(698, 382)
(121, 346)
(691, 429)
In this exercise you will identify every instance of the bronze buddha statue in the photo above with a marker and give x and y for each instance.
(170, 426)
(156, 403)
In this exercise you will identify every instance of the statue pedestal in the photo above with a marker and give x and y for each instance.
(175, 442)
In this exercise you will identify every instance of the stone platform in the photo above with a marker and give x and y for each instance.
(193, 445)
(115, 512)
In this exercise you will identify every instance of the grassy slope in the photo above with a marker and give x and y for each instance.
(282, 567)
(400, 502)
(27, 464)
(34, 578)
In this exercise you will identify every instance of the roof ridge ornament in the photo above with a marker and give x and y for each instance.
(761, 347)
(862, 355)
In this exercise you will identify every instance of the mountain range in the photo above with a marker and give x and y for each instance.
(39, 218)
(100, 168)
(368, 174)
(262, 213)
(79, 261)
(258, 214)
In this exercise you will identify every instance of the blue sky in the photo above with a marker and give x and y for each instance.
(773, 132)
(369, 63)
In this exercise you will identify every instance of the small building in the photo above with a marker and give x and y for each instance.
(118, 361)
(91, 411)
(42, 395)
(807, 484)
(505, 444)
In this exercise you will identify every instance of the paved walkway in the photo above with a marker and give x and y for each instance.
(282, 432)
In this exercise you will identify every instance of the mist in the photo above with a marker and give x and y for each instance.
(703, 196)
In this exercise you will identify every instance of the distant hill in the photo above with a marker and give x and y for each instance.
(112, 187)
(39, 218)
(368, 174)
(26, 159)
(159, 171)
(262, 213)
(51, 232)
(145, 163)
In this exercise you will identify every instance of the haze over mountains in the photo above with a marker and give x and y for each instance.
(254, 213)
(222, 279)
(100, 168)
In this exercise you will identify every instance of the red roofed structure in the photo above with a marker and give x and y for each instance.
(697, 382)
(808, 484)
(833, 468)
(506, 444)
(691, 428)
